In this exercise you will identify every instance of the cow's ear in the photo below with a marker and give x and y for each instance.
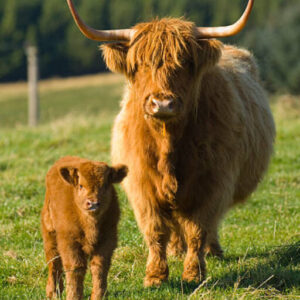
(69, 175)
(115, 56)
(117, 173)
(210, 51)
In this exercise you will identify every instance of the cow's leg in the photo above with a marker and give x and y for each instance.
(194, 263)
(213, 246)
(157, 235)
(176, 244)
(74, 263)
(55, 272)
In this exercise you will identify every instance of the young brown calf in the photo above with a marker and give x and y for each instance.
(79, 221)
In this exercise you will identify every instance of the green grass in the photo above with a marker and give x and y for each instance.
(261, 238)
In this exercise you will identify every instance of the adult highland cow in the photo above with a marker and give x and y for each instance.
(195, 130)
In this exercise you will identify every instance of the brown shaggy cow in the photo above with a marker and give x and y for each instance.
(195, 130)
(79, 220)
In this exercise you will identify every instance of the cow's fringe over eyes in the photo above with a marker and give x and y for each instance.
(164, 44)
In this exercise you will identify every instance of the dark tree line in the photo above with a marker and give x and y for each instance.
(273, 33)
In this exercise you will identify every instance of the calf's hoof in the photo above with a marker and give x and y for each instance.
(51, 293)
(99, 295)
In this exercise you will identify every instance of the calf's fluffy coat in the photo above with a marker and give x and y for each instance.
(79, 221)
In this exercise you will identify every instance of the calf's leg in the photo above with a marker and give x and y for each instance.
(74, 263)
(100, 263)
(55, 272)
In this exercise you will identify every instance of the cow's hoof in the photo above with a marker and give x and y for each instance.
(153, 281)
(194, 273)
(215, 250)
(192, 277)
(156, 273)
(219, 255)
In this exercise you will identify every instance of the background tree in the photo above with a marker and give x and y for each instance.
(82, 53)
(276, 44)
(18, 21)
(272, 33)
(285, 51)
(53, 23)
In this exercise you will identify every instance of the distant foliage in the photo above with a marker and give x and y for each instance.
(273, 33)
(276, 46)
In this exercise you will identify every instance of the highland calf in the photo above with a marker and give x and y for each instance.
(79, 221)
(195, 130)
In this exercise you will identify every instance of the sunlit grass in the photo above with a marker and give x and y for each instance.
(260, 238)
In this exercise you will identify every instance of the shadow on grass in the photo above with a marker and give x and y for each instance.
(3, 166)
(278, 269)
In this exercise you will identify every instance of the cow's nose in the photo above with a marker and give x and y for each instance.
(163, 107)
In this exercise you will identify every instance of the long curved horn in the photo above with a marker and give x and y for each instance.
(214, 32)
(99, 35)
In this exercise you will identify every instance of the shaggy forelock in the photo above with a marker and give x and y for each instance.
(163, 45)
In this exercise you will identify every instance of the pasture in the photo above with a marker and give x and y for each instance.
(261, 239)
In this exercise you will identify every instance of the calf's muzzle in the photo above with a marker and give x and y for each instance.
(92, 205)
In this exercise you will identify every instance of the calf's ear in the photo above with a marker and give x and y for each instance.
(117, 173)
(69, 175)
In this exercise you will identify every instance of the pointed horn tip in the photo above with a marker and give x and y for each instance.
(226, 31)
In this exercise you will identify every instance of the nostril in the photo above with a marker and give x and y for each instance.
(170, 104)
(155, 104)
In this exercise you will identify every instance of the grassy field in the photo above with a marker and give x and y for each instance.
(261, 238)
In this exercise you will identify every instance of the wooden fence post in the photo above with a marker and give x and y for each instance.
(33, 96)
